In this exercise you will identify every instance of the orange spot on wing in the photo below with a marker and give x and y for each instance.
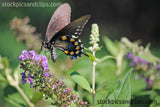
(76, 43)
(72, 40)
(71, 52)
(77, 52)
(63, 37)
(77, 47)
(66, 52)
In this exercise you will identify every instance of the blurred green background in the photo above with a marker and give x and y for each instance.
(133, 19)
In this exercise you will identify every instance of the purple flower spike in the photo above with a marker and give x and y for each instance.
(158, 67)
(30, 80)
(23, 75)
(64, 91)
(37, 58)
(23, 78)
(143, 61)
(44, 58)
(21, 57)
(23, 81)
(129, 55)
(46, 68)
(75, 101)
(36, 73)
(57, 91)
(150, 82)
(32, 53)
(24, 52)
(44, 62)
(47, 74)
(54, 86)
(75, 96)
(63, 84)
(136, 60)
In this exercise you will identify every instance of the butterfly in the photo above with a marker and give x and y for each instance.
(63, 34)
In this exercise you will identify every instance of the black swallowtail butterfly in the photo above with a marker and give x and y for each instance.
(65, 35)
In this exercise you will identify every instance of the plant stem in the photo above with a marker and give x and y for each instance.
(93, 77)
(24, 96)
(15, 83)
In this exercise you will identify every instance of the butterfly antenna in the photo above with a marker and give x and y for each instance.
(40, 49)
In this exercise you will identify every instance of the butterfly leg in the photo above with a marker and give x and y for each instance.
(85, 54)
(40, 49)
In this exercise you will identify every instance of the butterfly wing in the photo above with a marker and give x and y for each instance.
(74, 28)
(59, 20)
(70, 45)
(67, 39)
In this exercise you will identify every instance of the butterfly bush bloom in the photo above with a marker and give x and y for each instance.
(145, 69)
(137, 62)
(94, 38)
(36, 73)
(23, 78)
(33, 64)
(129, 55)
(30, 80)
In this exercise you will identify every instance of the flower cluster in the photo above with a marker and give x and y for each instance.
(35, 68)
(36, 72)
(147, 70)
(137, 62)
(25, 32)
(94, 38)
(63, 94)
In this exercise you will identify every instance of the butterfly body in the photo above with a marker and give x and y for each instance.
(53, 54)
(63, 35)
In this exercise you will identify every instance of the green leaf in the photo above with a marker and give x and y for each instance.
(147, 47)
(80, 80)
(14, 97)
(36, 97)
(106, 58)
(155, 102)
(147, 57)
(91, 57)
(3, 80)
(112, 47)
(5, 62)
(3, 77)
(121, 93)
(14, 103)
(70, 71)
